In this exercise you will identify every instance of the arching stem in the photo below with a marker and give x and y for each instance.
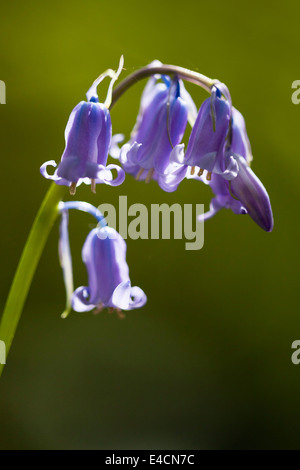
(144, 72)
(28, 264)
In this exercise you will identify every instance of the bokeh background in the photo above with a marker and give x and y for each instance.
(206, 364)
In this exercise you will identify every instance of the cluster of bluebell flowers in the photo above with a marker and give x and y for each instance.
(218, 153)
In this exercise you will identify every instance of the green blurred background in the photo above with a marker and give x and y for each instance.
(206, 364)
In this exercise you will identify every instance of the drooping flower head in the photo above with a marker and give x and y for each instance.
(88, 136)
(104, 254)
(219, 149)
(245, 193)
(160, 125)
(208, 143)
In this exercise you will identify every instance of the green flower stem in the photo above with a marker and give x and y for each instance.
(28, 263)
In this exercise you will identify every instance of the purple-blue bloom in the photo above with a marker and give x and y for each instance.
(104, 254)
(219, 144)
(208, 143)
(160, 126)
(88, 137)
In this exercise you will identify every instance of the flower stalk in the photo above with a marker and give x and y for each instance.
(164, 69)
(28, 263)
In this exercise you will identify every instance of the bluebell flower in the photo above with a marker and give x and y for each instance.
(104, 254)
(160, 125)
(208, 147)
(88, 136)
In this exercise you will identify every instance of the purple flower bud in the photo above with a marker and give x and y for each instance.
(245, 194)
(253, 195)
(104, 254)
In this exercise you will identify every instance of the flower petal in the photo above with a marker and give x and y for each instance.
(138, 298)
(240, 143)
(173, 176)
(126, 297)
(231, 168)
(80, 300)
(114, 149)
(104, 175)
(121, 295)
(104, 254)
(54, 177)
(43, 170)
(191, 107)
(177, 154)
